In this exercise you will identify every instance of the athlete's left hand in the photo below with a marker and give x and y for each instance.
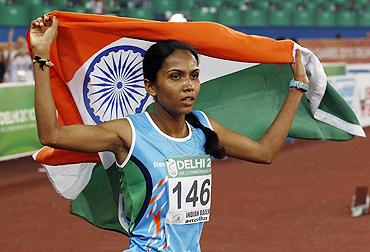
(298, 69)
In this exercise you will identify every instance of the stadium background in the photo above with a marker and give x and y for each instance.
(299, 203)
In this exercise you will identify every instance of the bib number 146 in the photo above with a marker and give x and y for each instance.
(190, 199)
(195, 195)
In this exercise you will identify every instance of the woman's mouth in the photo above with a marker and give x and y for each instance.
(188, 100)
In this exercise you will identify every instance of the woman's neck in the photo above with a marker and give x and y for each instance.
(173, 126)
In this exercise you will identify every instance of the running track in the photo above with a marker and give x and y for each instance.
(301, 203)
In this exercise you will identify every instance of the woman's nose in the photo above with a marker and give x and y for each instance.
(189, 85)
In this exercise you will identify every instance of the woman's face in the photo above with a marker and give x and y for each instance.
(177, 84)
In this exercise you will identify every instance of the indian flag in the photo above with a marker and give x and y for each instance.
(98, 77)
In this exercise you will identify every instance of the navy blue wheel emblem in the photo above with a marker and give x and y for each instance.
(114, 84)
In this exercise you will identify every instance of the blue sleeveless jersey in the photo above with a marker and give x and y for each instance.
(144, 183)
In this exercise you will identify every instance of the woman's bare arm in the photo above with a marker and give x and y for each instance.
(112, 136)
(265, 149)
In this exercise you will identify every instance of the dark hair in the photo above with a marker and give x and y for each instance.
(212, 145)
(152, 63)
(157, 53)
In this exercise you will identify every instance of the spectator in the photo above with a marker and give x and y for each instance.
(95, 6)
(19, 64)
(72, 3)
(2, 65)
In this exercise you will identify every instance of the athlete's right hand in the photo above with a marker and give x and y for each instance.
(43, 32)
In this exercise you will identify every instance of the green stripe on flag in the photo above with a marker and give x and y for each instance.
(248, 101)
(341, 109)
(98, 202)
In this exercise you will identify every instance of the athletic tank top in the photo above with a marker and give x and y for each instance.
(166, 185)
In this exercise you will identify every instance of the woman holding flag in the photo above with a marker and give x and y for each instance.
(167, 151)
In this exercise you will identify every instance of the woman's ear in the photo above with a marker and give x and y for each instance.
(150, 88)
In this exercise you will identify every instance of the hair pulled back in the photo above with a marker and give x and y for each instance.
(157, 53)
(152, 63)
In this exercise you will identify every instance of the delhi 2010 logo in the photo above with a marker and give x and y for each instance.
(114, 84)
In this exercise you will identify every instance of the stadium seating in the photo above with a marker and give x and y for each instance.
(123, 2)
(290, 5)
(299, 13)
(14, 16)
(33, 3)
(342, 2)
(325, 18)
(255, 17)
(123, 13)
(186, 5)
(230, 16)
(280, 18)
(303, 18)
(60, 2)
(139, 13)
(310, 6)
(346, 18)
(56, 4)
(115, 10)
(38, 11)
(203, 14)
(161, 6)
(77, 8)
(364, 19)
(214, 3)
(261, 4)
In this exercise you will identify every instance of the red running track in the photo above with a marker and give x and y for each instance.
(301, 203)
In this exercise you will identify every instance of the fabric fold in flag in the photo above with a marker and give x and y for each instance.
(98, 77)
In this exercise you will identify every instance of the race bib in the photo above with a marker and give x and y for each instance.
(189, 189)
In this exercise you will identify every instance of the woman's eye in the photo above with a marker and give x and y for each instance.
(195, 76)
(175, 76)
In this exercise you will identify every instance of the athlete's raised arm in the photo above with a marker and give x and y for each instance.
(112, 136)
(265, 149)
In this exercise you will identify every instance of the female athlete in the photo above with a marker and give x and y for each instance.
(169, 148)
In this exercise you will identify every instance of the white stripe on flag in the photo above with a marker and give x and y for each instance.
(351, 128)
(69, 180)
(210, 68)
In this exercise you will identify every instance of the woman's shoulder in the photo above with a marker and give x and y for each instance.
(137, 116)
(138, 119)
(203, 118)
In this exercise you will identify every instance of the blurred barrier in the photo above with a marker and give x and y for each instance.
(354, 86)
(18, 134)
(346, 86)
(353, 83)
(361, 73)
(342, 50)
(337, 68)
